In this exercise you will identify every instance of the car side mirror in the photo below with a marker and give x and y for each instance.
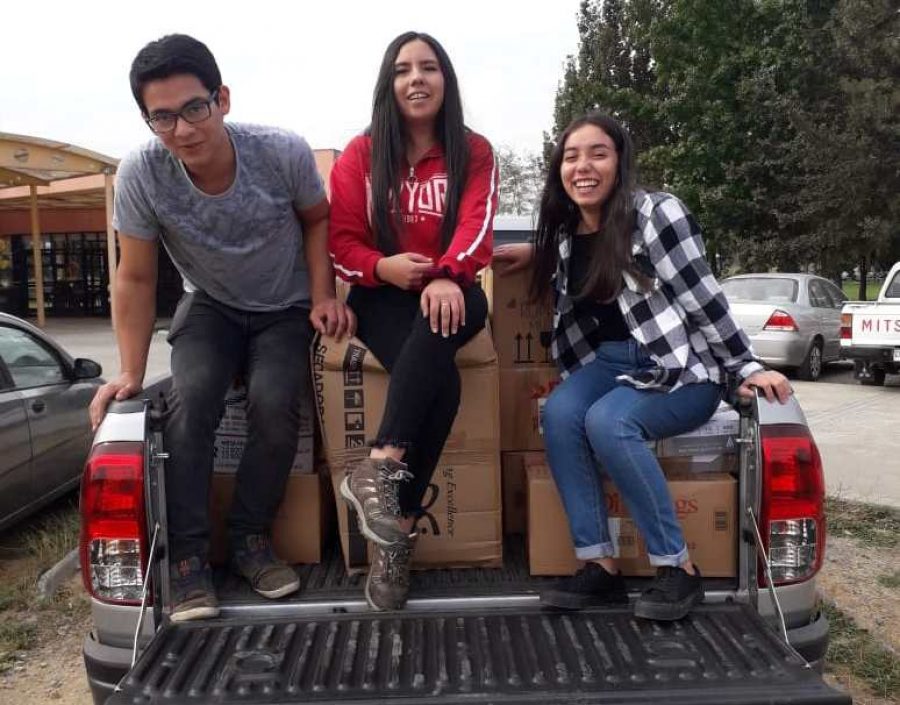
(87, 369)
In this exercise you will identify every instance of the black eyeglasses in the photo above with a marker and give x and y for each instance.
(194, 112)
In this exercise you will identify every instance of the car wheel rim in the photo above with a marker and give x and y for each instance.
(815, 362)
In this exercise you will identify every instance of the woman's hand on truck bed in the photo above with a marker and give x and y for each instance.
(772, 384)
(512, 257)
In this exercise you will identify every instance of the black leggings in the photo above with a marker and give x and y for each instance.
(424, 391)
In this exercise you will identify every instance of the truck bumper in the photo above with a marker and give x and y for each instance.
(105, 667)
(811, 641)
(878, 355)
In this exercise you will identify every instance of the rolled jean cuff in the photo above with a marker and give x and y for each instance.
(598, 550)
(674, 560)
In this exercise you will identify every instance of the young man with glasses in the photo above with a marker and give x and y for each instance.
(242, 212)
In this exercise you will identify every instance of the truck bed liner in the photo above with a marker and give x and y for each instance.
(328, 580)
(719, 654)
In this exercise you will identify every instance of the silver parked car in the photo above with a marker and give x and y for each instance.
(793, 320)
(45, 431)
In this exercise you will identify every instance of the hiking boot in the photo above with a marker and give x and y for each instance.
(193, 596)
(372, 488)
(253, 558)
(387, 584)
(672, 594)
(592, 586)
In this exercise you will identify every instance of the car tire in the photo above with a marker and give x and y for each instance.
(811, 369)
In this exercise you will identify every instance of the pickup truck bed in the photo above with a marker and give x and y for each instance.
(467, 636)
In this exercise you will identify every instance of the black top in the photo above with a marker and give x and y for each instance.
(612, 324)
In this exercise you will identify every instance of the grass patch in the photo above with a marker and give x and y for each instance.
(872, 524)
(15, 638)
(854, 651)
(36, 545)
(890, 581)
(851, 289)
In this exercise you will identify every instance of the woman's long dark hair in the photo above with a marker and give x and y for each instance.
(388, 133)
(559, 216)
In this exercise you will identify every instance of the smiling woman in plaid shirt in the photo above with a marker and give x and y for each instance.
(646, 345)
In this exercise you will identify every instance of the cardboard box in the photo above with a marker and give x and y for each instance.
(301, 522)
(707, 510)
(464, 524)
(515, 495)
(231, 434)
(522, 329)
(229, 449)
(523, 393)
(714, 438)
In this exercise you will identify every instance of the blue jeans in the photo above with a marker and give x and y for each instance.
(590, 418)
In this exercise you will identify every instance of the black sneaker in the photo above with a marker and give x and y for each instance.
(193, 596)
(671, 596)
(591, 586)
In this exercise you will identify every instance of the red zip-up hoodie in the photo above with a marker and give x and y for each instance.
(351, 240)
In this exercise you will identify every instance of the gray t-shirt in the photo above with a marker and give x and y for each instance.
(243, 247)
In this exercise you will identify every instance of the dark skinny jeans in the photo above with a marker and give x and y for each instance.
(211, 344)
(424, 390)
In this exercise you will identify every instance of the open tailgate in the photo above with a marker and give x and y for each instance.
(722, 654)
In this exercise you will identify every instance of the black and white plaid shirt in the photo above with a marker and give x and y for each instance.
(683, 321)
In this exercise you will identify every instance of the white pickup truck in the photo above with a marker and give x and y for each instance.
(870, 332)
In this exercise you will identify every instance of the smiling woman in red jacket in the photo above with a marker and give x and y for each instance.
(413, 200)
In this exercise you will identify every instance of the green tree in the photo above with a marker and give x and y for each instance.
(521, 180)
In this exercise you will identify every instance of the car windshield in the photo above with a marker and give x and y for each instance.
(763, 289)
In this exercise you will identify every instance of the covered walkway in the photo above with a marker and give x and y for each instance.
(40, 177)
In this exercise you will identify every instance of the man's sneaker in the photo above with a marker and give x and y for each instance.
(671, 596)
(193, 596)
(253, 558)
(372, 488)
(387, 584)
(591, 586)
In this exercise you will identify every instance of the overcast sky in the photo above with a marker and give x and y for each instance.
(309, 66)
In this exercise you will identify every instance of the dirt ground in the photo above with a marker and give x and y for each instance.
(52, 671)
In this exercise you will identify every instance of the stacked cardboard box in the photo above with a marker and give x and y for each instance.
(463, 525)
(527, 375)
(301, 520)
(231, 435)
(706, 506)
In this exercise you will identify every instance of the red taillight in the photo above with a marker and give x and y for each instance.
(781, 320)
(113, 522)
(846, 326)
(793, 499)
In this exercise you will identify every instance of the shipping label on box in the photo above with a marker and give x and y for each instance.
(522, 328)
